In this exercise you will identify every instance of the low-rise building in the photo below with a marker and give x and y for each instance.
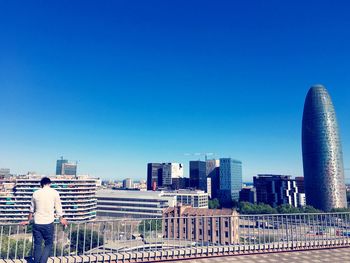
(194, 198)
(210, 226)
(132, 203)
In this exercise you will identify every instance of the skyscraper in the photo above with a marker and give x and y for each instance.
(198, 175)
(213, 172)
(59, 165)
(322, 152)
(170, 171)
(154, 176)
(230, 180)
(63, 167)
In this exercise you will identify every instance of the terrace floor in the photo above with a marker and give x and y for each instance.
(325, 255)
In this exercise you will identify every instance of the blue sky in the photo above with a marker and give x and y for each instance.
(117, 84)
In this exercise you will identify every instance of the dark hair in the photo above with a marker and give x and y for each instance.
(45, 181)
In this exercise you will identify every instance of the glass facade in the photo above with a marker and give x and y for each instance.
(230, 180)
(198, 175)
(213, 172)
(59, 165)
(322, 152)
(154, 176)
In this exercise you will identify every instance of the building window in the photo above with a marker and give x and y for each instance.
(226, 234)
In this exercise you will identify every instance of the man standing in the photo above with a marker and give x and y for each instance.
(44, 203)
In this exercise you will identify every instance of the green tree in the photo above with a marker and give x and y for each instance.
(249, 208)
(340, 210)
(77, 240)
(214, 203)
(14, 248)
(309, 209)
(150, 225)
(287, 209)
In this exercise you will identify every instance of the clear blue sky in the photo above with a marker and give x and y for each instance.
(117, 84)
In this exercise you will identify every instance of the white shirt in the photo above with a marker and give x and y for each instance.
(45, 202)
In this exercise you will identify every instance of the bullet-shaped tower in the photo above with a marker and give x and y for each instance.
(322, 152)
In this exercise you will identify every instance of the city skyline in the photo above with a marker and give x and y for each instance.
(151, 83)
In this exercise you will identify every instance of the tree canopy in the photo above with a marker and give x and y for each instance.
(249, 208)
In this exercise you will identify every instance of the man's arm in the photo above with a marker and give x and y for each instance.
(31, 212)
(59, 210)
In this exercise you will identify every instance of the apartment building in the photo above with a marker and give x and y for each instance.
(78, 197)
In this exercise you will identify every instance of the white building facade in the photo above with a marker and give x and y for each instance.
(170, 171)
(132, 204)
(78, 197)
(194, 198)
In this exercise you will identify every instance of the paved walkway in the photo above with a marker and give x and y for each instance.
(325, 255)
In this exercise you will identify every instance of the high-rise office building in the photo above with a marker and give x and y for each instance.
(230, 180)
(154, 176)
(63, 167)
(198, 175)
(277, 190)
(213, 172)
(322, 152)
(170, 171)
(59, 165)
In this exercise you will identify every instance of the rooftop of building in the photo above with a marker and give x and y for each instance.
(230, 159)
(129, 194)
(273, 176)
(184, 191)
(190, 211)
(35, 177)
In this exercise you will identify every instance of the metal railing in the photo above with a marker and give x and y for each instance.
(192, 236)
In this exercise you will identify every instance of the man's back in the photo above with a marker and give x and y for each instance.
(44, 203)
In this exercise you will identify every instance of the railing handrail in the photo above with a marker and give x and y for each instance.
(198, 216)
(236, 232)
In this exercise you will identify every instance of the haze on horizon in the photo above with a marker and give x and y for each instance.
(118, 84)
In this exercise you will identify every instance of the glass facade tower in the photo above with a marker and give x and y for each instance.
(198, 175)
(322, 152)
(230, 180)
